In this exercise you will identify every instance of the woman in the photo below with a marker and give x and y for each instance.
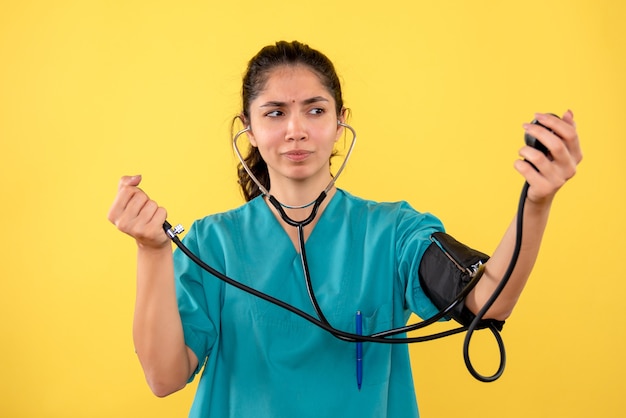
(258, 359)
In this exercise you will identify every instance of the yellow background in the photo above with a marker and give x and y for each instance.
(92, 90)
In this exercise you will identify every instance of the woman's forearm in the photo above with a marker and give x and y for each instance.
(157, 328)
(535, 220)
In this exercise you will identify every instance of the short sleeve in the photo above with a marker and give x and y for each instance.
(413, 238)
(198, 315)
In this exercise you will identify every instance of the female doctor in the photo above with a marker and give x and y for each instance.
(259, 360)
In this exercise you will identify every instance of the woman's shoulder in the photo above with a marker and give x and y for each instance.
(227, 218)
(397, 212)
(375, 205)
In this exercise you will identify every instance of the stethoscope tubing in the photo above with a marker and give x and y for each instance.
(266, 192)
(343, 335)
(519, 224)
(380, 337)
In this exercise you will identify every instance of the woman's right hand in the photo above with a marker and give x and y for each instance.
(135, 214)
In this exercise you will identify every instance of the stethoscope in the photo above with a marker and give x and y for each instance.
(379, 337)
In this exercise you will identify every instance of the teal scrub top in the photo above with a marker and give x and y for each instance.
(260, 360)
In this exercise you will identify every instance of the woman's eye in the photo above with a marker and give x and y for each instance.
(274, 113)
(317, 111)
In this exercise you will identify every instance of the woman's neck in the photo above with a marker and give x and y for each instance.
(300, 214)
(298, 193)
(292, 198)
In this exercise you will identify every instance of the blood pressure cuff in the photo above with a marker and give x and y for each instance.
(445, 271)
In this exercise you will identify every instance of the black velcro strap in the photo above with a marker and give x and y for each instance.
(445, 271)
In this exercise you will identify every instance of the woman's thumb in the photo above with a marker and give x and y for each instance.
(130, 180)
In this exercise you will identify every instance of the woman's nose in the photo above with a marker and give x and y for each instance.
(296, 129)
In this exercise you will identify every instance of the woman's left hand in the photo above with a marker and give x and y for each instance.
(559, 165)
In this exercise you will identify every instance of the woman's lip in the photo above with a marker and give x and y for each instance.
(298, 155)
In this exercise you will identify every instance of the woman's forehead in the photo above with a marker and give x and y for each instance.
(294, 81)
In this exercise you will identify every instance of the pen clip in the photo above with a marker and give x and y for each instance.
(359, 350)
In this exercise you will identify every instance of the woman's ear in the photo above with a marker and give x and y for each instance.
(342, 115)
(249, 133)
(341, 119)
(251, 136)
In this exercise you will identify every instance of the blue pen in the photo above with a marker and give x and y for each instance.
(359, 350)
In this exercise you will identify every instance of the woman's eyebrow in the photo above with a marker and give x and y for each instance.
(276, 103)
(315, 100)
(273, 103)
